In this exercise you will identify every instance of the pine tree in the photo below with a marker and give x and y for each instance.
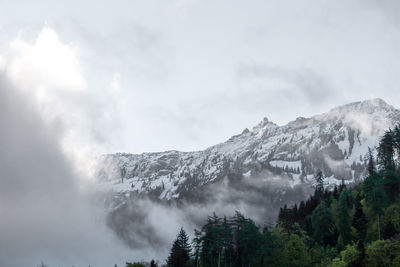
(180, 251)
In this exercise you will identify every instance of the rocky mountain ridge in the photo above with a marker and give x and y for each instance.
(335, 142)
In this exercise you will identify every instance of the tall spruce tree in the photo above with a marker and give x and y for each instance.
(180, 251)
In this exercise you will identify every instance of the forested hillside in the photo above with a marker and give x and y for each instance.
(356, 225)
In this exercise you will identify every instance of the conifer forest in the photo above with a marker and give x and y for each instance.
(347, 225)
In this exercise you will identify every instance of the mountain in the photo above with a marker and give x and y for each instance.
(335, 142)
(255, 172)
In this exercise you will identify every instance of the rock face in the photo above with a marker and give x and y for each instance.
(335, 142)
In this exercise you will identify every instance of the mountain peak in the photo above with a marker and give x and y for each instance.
(366, 106)
(263, 126)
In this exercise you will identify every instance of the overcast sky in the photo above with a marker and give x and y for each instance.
(150, 75)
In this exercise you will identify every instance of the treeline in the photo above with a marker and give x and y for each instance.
(357, 226)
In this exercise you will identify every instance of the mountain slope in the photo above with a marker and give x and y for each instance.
(335, 142)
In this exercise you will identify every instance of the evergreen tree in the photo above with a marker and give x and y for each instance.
(322, 224)
(386, 151)
(247, 238)
(268, 250)
(391, 184)
(374, 192)
(197, 242)
(180, 251)
(359, 221)
(319, 184)
(212, 241)
(335, 192)
(344, 227)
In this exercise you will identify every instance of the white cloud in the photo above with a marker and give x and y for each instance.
(47, 63)
(48, 72)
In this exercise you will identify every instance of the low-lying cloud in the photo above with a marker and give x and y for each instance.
(143, 222)
(45, 209)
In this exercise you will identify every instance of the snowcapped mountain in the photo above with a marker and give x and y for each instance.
(335, 142)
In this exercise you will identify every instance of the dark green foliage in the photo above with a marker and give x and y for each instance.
(392, 216)
(389, 145)
(391, 184)
(374, 192)
(216, 241)
(350, 256)
(344, 226)
(388, 230)
(180, 251)
(359, 221)
(268, 250)
(323, 225)
(295, 252)
(375, 196)
(231, 242)
(135, 264)
(386, 151)
(383, 253)
(333, 227)
(247, 237)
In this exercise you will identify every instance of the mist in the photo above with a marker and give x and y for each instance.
(46, 208)
(143, 221)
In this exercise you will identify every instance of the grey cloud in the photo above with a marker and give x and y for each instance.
(46, 215)
(389, 8)
(304, 82)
